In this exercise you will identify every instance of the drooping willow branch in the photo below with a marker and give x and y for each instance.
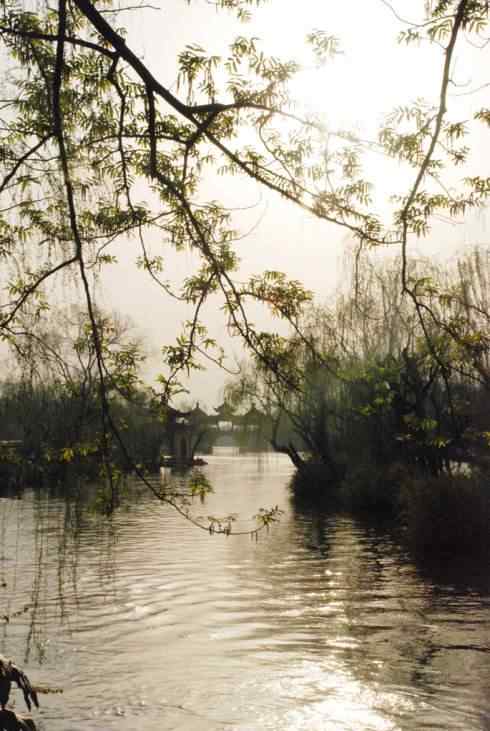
(420, 307)
(72, 213)
(442, 108)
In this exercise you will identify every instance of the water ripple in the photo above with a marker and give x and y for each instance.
(323, 624)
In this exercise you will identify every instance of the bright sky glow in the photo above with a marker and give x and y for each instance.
(371, 74)
(354, 90)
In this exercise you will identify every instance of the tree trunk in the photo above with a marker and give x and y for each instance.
(291, 451)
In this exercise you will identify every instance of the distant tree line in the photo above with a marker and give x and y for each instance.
(50, 399)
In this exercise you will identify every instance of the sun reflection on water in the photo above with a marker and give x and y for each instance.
(316, 697)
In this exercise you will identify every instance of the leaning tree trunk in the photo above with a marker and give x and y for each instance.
(291, 451)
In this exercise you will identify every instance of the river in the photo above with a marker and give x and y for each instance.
(323, 624)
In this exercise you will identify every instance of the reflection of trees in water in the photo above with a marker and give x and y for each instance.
(466, 576)
(12, 519)
(35, 634)
(454, 620)
(314, 519)
(42, 548)
(322, 588)
(362, 606)
(5, 589)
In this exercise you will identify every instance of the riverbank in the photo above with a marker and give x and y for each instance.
(447, 514)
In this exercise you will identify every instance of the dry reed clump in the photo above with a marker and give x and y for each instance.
(447, 514)
(374, 490)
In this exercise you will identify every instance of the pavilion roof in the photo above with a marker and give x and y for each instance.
(253, 414)
(224, 411)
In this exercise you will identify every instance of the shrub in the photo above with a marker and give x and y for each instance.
(374, 490)
(447, 514)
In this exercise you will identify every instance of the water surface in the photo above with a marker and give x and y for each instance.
(323, 624)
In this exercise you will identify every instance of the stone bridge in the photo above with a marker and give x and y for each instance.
(186, 430)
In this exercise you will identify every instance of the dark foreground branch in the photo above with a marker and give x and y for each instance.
(10, 721)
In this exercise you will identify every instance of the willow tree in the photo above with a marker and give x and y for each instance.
(86, 127)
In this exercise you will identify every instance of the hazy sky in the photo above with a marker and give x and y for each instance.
(371, 76)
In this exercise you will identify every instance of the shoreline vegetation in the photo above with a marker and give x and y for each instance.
(438, 516)
(385, 415)
(442, 516)
(377, 415)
